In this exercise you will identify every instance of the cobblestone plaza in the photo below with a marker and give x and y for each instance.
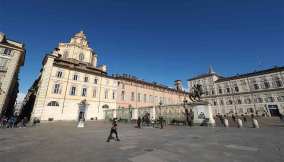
(62, 141)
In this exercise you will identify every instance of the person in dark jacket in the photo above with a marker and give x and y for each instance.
(113, 130)
(161, 120)
(139, 122)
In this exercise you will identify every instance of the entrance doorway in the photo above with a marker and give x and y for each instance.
(273, 109)
(82, 110)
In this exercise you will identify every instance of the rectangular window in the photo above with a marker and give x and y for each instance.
(266, 85)
(145, 98)
(256, 87)
(113, 95)
(56, 88)
(7, 51)
(73, 91)
(75, 77)
(220, 91)
(237, 89)
(138, 97)
(278, 83)
(106, 94)
(95, 92)
(59, 74)
(96, 81)
(86, 79)
(84, 92)
(122, 95)
(228, 90)
(132, 96)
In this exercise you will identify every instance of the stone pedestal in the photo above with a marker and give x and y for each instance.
(240, 123)
(202, 111)
(226, 123)
(255, 123)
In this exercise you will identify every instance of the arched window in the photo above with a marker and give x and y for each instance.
(53, 103)
(105, 106)
(81, 57)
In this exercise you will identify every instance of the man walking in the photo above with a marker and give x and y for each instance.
(113, 130)
(139, 122)
(161, 120)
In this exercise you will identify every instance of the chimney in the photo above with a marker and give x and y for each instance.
(178, 85)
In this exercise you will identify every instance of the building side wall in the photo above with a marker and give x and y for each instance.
(245, 95)
(139, 95)
(9, 76)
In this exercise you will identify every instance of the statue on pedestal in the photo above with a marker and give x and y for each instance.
(197, 92)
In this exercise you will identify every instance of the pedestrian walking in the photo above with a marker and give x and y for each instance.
(113, 130)
(161, 120)
(10, 123)
(139, 122)
(4, 122)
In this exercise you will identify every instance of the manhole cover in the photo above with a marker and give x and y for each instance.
(149, 150)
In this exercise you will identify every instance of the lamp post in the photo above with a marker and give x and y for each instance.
(160, 107)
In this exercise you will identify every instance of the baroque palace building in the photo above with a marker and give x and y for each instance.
(71, 85)
(260, 92)
(12, 57)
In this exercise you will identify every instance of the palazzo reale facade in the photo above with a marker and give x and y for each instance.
(70, 84)
(259, 92)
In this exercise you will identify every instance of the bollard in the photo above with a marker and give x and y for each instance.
(226, 122)
(255, 123)
(240, 123)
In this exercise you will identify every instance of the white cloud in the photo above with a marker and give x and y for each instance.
(21, 96)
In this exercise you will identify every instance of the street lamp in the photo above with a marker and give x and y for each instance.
(160, 106)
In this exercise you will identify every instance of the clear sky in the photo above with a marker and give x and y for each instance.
(157, 40)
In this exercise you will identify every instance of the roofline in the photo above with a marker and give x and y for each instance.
(256, 73)
(203, 76)
(148, 83)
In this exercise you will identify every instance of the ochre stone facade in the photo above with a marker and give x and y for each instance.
(70, 83)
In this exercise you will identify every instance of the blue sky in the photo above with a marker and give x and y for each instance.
(155, 40)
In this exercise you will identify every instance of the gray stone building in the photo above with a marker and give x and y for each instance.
(260, 92)
(12, 56)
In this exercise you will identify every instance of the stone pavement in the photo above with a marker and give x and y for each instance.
(63, 142)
